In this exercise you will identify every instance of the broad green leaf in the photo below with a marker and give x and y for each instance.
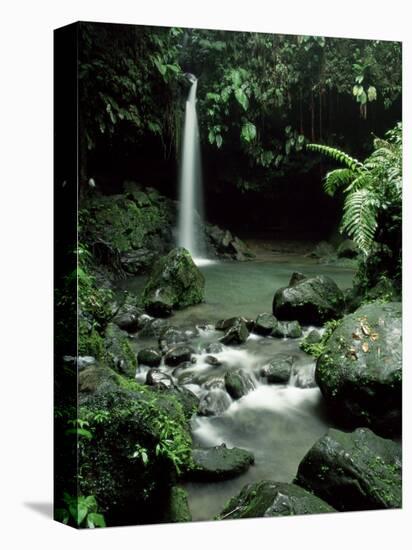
(211, 136)
(248, 132)
(242, 98)
(219, 141)
(95, 520)
(82, 511)
(372, 95)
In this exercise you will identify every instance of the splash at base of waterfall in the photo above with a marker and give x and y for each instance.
(200, 262)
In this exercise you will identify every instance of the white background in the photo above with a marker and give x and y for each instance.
(26, 270)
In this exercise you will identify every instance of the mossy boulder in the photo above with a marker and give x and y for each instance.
(179, 354)
(265, 324)
(178, 510)
(287, 329)
(272, 498)
(310, 301)
(354, 471)
(219, 463)
(360, 371)
(139, 445)
(175, 282)
(120, 355)
(128, 231)
(149, 357)
(278, 371)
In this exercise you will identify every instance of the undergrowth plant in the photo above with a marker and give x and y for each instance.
(370, 187)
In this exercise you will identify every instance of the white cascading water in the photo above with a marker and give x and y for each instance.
(189, 230)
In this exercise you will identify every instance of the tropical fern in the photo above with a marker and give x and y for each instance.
(369, 187)
(337, 155)
(359, 217)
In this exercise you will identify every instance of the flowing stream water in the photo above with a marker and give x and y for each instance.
(278, 423)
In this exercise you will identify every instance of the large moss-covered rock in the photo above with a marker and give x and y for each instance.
(360, 372)
(121, 463)
(354, 471)
(120, 354)
(309, 301)
(130, 230)
(175, 282)
(178, 510)
(272, 498)
(219, 463)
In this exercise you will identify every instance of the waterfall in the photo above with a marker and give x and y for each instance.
(190, 231)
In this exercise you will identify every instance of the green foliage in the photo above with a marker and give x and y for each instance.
(318, 348)
(80, 511)
(125, 73)
(370, 187)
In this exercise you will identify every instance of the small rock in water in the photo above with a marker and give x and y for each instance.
(156, 377)
(265, 324)
(287, 329)
(171, 337)
(214, 347)
(238, 383)
(215, 402)
(219, 463)
(211, 360)
(236, 334)
(295, 278)
(149, 357)
(178, 354)
(278, 371)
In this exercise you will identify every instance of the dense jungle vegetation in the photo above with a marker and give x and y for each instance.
(301, 140)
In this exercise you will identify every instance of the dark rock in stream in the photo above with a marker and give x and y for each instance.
(211, 360)
(214, 347)
(215, 402)
(177, 355)
(175, 282)
(311, 301)
(219, 463)
(272, 498)
(152, 328)
(156, 377)
(347, 249)
(354, 471)
(287, 329)
(296, 278)
(128, 314)
(278, 371)
(238, 383)
(236, 334)
(265, 323)
(360, 371)
(170, 338)
(149, 357)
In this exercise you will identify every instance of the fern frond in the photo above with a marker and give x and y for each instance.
(337, 178)
(362, 181)
(337, 155)
(359, 218)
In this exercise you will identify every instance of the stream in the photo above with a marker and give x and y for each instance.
(277, 423)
